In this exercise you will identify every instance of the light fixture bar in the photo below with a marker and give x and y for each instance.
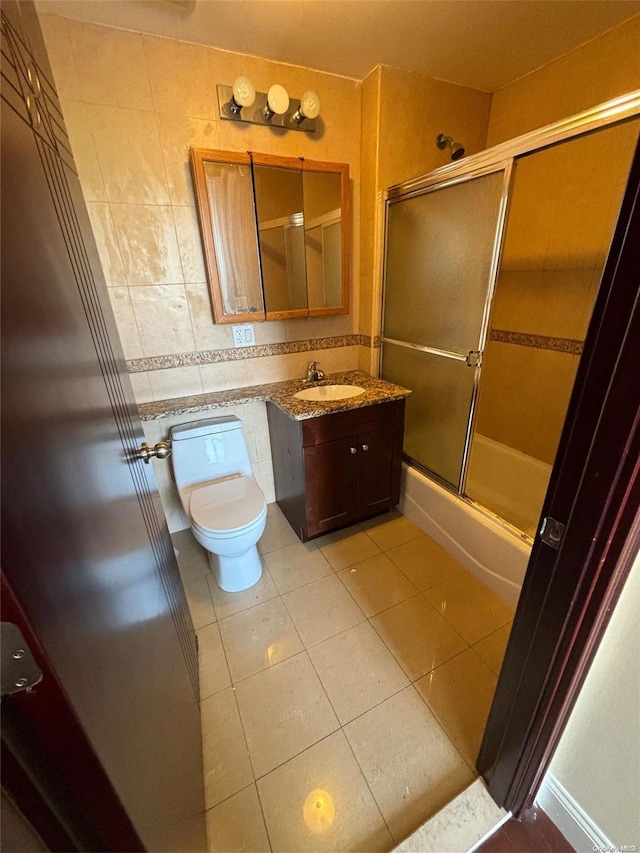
(255, 114)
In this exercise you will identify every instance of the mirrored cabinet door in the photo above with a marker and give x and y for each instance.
(326, 212)
(275, 234)
(281, 235)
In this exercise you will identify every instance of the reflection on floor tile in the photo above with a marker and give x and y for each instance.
(258, 638)
(296, 565)
(460, 693)
(493, 647)
(284, 710)
(469, 606)
(409, 762)
(424, 562)
(322, 610)
(227, 768)
(214, 673)
(199, 601)
(237, 824)
(277, 532)
(357, 671)
(193, 560)
(347, 547)
(418, 637)
(320, 801)
(390, 530)
(228, 603)
(376, 606)
(376, 584)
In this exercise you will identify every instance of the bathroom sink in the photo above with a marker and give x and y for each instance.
(324, 393)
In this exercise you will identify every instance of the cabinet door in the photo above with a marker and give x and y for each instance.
(379, 460)
(330, 480)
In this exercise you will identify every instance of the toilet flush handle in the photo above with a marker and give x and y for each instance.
(161, 450)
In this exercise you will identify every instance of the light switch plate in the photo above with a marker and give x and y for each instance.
(244, 335)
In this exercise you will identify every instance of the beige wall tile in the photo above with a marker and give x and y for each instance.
(208, 335)
(263, 472)
(146, 236)
(129, 154)
(107, 244)
(84, 151)
(180, 77)
(177, 134)
(141, 388)
(175, 382)
(224, 374)
(126, 322)
(593, 73)
(189, 244)
(58, 43)
(163, 319)
(110, 66)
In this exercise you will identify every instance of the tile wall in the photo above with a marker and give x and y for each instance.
(134, 105)
(402, 114)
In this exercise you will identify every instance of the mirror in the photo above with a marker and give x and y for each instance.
(275, 235)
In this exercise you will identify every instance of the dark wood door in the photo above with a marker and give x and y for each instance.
(85, 547)
(379, 466)
(330, 481)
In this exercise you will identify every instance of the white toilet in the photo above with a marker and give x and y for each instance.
(225, 506)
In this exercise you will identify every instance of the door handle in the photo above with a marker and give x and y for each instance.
(353, 450)
(365, 446)
(161, 450)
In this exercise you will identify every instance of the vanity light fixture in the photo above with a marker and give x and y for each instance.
(243, 95)
(457, 149)
(274, 108)
(309, 107)
(277, 102)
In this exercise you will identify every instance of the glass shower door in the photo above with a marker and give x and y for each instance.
(441, 256)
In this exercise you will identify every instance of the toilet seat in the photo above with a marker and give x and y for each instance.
(227, 506)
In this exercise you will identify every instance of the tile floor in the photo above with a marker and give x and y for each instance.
(344, 696)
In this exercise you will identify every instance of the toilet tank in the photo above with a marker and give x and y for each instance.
(209, 449)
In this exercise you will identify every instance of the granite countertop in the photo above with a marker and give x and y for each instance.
(281, 393)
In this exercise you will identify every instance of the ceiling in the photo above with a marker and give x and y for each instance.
(485, 44)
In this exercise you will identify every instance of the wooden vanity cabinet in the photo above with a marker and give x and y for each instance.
(336, 469)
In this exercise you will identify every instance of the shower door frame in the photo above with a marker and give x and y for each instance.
(595, 482)
(608, 114)
(506, 167)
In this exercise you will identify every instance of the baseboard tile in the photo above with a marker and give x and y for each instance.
(572, 821)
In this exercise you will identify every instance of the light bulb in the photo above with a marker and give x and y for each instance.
(277, 101)
(310, 105)
(244, 94)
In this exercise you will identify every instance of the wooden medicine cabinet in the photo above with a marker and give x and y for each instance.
(275, 233)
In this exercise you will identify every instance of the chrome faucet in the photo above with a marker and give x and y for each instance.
(314, 374)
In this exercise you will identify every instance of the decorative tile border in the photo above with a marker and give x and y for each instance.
(566, 345)
(215, 356)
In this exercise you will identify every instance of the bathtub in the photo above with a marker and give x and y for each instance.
(495, 554)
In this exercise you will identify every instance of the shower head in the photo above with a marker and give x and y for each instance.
(457, 150)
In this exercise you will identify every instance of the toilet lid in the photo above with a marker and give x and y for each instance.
(228, 504)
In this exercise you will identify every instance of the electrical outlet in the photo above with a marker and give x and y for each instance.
(243, 336)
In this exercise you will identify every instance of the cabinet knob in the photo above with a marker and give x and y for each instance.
(365, 446)
(353, 450)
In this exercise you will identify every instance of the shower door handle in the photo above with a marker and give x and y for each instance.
(474, 358)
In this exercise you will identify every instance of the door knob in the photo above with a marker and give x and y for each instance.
(353, 450)
(160, 450)
(365, 446)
